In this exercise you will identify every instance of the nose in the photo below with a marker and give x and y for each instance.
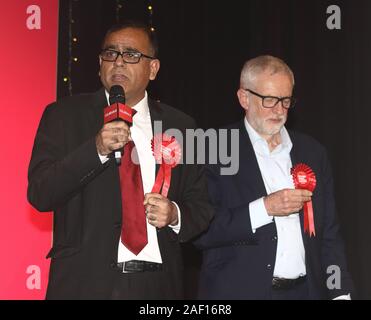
(279, 108)
(120, 60)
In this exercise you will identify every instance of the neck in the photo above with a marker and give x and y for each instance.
(273, 140)
(133, 102)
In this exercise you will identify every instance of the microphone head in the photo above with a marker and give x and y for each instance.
(117, 95)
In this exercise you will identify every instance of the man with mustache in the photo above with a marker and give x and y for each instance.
(256, 246)
(73, 173)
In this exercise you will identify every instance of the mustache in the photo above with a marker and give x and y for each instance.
(281, 118)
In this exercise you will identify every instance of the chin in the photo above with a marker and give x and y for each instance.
(274, 130)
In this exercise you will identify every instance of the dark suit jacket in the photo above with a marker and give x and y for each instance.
(66, 176)
(238, 264)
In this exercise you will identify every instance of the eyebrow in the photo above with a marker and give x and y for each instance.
(115, 47)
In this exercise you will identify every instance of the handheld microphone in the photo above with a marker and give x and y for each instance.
(118, 111)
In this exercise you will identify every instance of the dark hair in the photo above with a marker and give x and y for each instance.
(136, 25)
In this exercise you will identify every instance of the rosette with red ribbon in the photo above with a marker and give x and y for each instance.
(167, 152)
(304, 178)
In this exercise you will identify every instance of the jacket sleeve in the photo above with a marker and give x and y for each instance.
(195, 208)
(193, 201)
(231, 225)
(55, 175)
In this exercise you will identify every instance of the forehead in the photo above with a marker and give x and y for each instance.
(279, 84)
(128, 38)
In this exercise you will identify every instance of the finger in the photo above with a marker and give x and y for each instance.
(110, 127)
(117, 145)
(300, 197)
(117, 124)
(149, 208)
(303, 193)
(121, 137)
(147, 196)
(151, 217)
(122, 125)
(299, 207)
(157, 224)
(307, 199)
(120, 133)
(115, 131)
(152, 222)
(292, 206)
(152, 209)
(155, 201)
(154, 195)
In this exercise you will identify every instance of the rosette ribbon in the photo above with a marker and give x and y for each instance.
(167, 152)
(304, 178)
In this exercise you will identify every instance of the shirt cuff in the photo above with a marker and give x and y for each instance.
(103, 159)
(343, 297)
(176, 228)
(258, 214)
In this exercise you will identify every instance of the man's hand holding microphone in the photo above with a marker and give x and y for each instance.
(113, 136)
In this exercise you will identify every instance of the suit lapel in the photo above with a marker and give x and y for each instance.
(296, 158)
(100, 99)
(156, 114)
(249, 168)
(295, 153)
(96, 114)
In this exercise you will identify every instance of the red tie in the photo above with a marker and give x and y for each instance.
(134, 225)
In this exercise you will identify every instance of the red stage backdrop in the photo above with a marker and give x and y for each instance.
(28, 57)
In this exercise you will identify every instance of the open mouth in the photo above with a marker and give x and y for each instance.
(119, 77)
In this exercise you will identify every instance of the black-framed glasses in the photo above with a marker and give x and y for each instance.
(270, 101)
(131, 57)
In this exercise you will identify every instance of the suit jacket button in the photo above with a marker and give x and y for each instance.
(274, 238)
(269, 266)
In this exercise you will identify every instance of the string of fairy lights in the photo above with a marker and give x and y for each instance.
(73, 40)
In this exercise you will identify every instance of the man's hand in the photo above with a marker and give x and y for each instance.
(160, 210)
(113, 136)
(286, 202)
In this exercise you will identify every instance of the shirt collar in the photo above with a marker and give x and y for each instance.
(255, 138)
(141, 107)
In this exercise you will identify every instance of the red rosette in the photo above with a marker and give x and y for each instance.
(168, 153)
(304, 178)
(166, 149)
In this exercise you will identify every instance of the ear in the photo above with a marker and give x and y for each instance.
(100, 65)
(243, 98)
(154, 68)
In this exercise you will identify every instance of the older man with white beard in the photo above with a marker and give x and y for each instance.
(274, 235)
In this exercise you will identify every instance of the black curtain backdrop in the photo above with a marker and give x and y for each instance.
(203, 45)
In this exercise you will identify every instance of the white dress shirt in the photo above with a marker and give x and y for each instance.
(275, 169)
(141, 133)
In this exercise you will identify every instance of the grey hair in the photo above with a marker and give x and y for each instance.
(261, 64)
